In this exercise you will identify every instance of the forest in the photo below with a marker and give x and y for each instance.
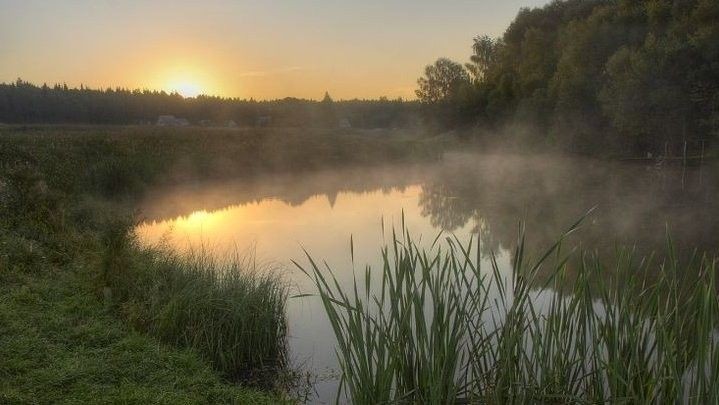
(22, 102)
(588, 75)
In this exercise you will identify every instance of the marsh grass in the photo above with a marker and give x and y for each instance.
(230, 310)
(434, 326)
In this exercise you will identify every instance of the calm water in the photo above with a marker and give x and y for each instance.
(484, 195)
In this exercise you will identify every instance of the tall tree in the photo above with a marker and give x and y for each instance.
(484, 56)
(442, 82)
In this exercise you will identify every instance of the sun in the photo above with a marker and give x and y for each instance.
(185, 88)
(187, 79)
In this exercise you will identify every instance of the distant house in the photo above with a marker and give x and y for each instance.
(171, 121)
(345, 123)
(263, 121)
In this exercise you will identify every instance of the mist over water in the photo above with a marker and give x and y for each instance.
(482, 196)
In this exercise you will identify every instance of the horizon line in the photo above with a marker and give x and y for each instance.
(83, 87)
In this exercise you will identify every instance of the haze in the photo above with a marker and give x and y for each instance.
(246, 49)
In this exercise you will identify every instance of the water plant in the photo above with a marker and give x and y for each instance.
(434, 325)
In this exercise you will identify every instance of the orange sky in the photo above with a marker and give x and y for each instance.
(259, 49)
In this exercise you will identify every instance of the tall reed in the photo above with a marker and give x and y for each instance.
(433, 326)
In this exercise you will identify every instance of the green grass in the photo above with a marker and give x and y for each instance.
(65, 340)
(230, 311)
(432, 326)
(59, 343)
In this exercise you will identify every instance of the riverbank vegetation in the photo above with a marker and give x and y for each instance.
(86, 313)
(230, 311)
(60, 338)
(60, 344)
(589, 77)
(434, 326)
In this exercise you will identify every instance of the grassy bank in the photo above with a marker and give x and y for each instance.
(65, 340)
(60, 344)
(87, 315)
(432, 326)
(230, 311)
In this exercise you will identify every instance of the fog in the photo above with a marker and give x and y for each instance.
(466, 194)
(635, 205)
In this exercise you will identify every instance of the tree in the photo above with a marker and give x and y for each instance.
(645, 98)
(590, 74)
(327, 111)
(327, 100)
(484, 56)
(442, 82)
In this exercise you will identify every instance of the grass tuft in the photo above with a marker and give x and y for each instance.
(230, 311)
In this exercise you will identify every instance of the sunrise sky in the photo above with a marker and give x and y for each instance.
(260, 49)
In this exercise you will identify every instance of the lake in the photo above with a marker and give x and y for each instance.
(467, 195)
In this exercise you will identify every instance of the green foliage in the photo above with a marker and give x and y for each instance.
(484, 57)
(58, 341)
(432, 326)
(634, 76)
(443, 90)
(229, 311)
(58, 344)
(442, 82)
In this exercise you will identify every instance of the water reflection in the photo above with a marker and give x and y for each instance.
(635, 205)
(465, 194)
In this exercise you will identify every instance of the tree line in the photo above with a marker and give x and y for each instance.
(22, 102)
(633, 75)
